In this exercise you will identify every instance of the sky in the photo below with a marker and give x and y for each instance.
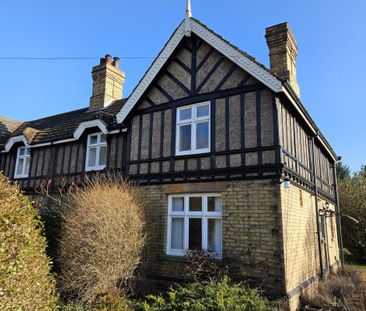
(331, 66)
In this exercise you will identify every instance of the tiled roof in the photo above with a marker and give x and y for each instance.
(62, 126)
(7, 126)
(240, 50)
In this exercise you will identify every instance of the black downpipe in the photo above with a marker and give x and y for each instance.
(316, 205)
(338, 214)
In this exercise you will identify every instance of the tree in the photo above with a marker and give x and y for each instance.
(25, 279)
(343, 171)
(352, 200)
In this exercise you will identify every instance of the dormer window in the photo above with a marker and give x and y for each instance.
(96, 152)
(22, 163)
(193, 129)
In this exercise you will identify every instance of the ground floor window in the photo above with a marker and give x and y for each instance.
(194, 223)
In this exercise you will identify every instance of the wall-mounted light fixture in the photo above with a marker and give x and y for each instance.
(286, 183)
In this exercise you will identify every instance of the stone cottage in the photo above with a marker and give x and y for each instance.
(222, 148)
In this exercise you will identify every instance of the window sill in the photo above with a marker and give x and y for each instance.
(97, 168)
(173, 258)
(188, 153)
(176, 258)
(20, 177)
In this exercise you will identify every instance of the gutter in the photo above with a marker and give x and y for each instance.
(67, 140)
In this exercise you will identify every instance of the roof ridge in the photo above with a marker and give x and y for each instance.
(9, 119)
(76, 110)
(55, 115)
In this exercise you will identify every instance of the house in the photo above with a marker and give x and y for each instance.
(220, 146)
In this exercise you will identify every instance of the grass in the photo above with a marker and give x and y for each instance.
(362, 269)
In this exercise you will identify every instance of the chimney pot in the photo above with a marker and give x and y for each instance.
(115, 62)
(283, 53)
(108, 58)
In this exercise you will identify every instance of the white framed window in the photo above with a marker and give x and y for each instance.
(193, 129)
(194, 223)
(22, 162)
(96, 152)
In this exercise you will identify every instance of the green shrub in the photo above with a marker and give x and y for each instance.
(25, 279)
(105, 303)
(214, 295)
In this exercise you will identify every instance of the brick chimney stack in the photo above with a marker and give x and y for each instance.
(283, 53)
(108, 81)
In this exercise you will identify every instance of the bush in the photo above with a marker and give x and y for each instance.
(201, 266)
(340, 291)
(25, 279)
(214, 295)
(105, 303)
(102, 238)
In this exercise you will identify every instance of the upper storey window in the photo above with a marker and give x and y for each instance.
(96, 152)
(22, 163)
(193, 129)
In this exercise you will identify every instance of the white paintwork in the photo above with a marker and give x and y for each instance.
(89, 124)
(186, 215)
(193, 122)
(62, 141)
(26, 156)
(40, 145)
(96, 146)
(12, 140)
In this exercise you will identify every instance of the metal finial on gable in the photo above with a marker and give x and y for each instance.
(187, 24)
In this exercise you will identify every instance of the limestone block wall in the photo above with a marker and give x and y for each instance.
(332, 238)
(251, 229)
(300, 240)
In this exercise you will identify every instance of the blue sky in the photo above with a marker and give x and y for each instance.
(331, 65)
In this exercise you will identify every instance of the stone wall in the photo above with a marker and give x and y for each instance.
(251, 230)
(300, 240)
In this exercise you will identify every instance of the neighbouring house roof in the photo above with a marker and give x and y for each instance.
(7, 127)
(62, 126)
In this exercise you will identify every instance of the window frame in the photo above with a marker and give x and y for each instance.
(204, 215)
(24, 157)
(193, 121)
(98, 146)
